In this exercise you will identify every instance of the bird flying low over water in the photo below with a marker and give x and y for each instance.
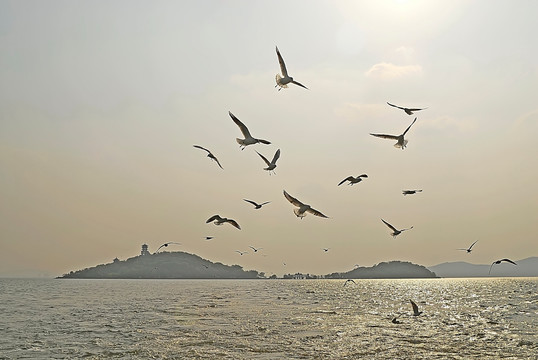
(271, 165)
(349, 281)
(410, 192)
(395, 232)
(217, 220)
(408, 111)
(415, 308)
(302, 208)
(256, 205)
(469, 249)
(500, 261)
(248, 140)
(401, 142)
(209, 155)
(353, 180)
(166, 245)
(285, 79)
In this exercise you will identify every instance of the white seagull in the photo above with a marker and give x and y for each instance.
(302, 208)
(217, 220)
(255, 249)
(469, 249)
(410, 192)
(285, 79)
(166, 245)
(395, 232)
(499, 261)
(271, 165)
(353, 180)
(241, 252)
(401, 142)
(209, 155)
(256, 205)
(248, 140)
(415, 308)
(408, 111)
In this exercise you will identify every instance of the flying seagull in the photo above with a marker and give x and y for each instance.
(408, 111)
(349, 281)
(248, 140)
(285, 79)
(256, 205)
(255, 250)
(241, 252)
(217, 220)
(401, 142)
(415, 308)
(209, 155)
(470, 247)
(271, 165)
(302, 208)
(325, 249)
(395, 232)
(208, 237)
(499, 261)
(410, 192)
(395, 320)
(166, 245)
(353, 180)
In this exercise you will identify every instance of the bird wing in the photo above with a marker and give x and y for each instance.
(491, 267)
(217, 160)
(264, 159)
(160, 247)
(393, 137)
(293, 200)
(282, 65)
(250, 201)
(409, 127)
(396, 106)
(415, 307)
(389, 225)
(203, 148)
(470, 247)
(213, 218)
(416, 109)
(275, 158)
(316, 212)
(349, 178)
(510, 261)
(234, 223)
(242, 126)
(175, 243)
(363, 175)
(267, 202)
(264, 141)
(298, 83)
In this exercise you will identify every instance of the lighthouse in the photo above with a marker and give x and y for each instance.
(144, 250)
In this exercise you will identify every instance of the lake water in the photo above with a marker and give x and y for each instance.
(268, 319)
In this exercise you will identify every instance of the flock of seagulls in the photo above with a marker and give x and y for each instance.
(301, 209)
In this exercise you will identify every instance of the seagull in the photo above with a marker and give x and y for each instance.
(256, 205)
(470, 247)
(408, 111)
(285, 79)
(410, 192)
(302, 208)
(325, 249)
(401, 142)
(349, 281)
(415, 308)
(396, 321)
(353, 180)
(209, 155)
(271, 165)
(499, 261)
(208, 237)
(395, 232)
(217, 220)
(241, 252)
(166, 245)
(255, 250)
(248, 140)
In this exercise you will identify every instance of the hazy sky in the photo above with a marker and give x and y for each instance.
(101, 102)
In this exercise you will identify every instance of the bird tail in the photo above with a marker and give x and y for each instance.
(240, 141)
(298, 213)
(278, 82)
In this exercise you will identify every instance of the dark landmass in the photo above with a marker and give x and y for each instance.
(164, 265)
(525, 268)
(181, 265)
(386, 270)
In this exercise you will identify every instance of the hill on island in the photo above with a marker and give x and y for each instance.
(525, 268)
(164, 265)
(386, 270)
